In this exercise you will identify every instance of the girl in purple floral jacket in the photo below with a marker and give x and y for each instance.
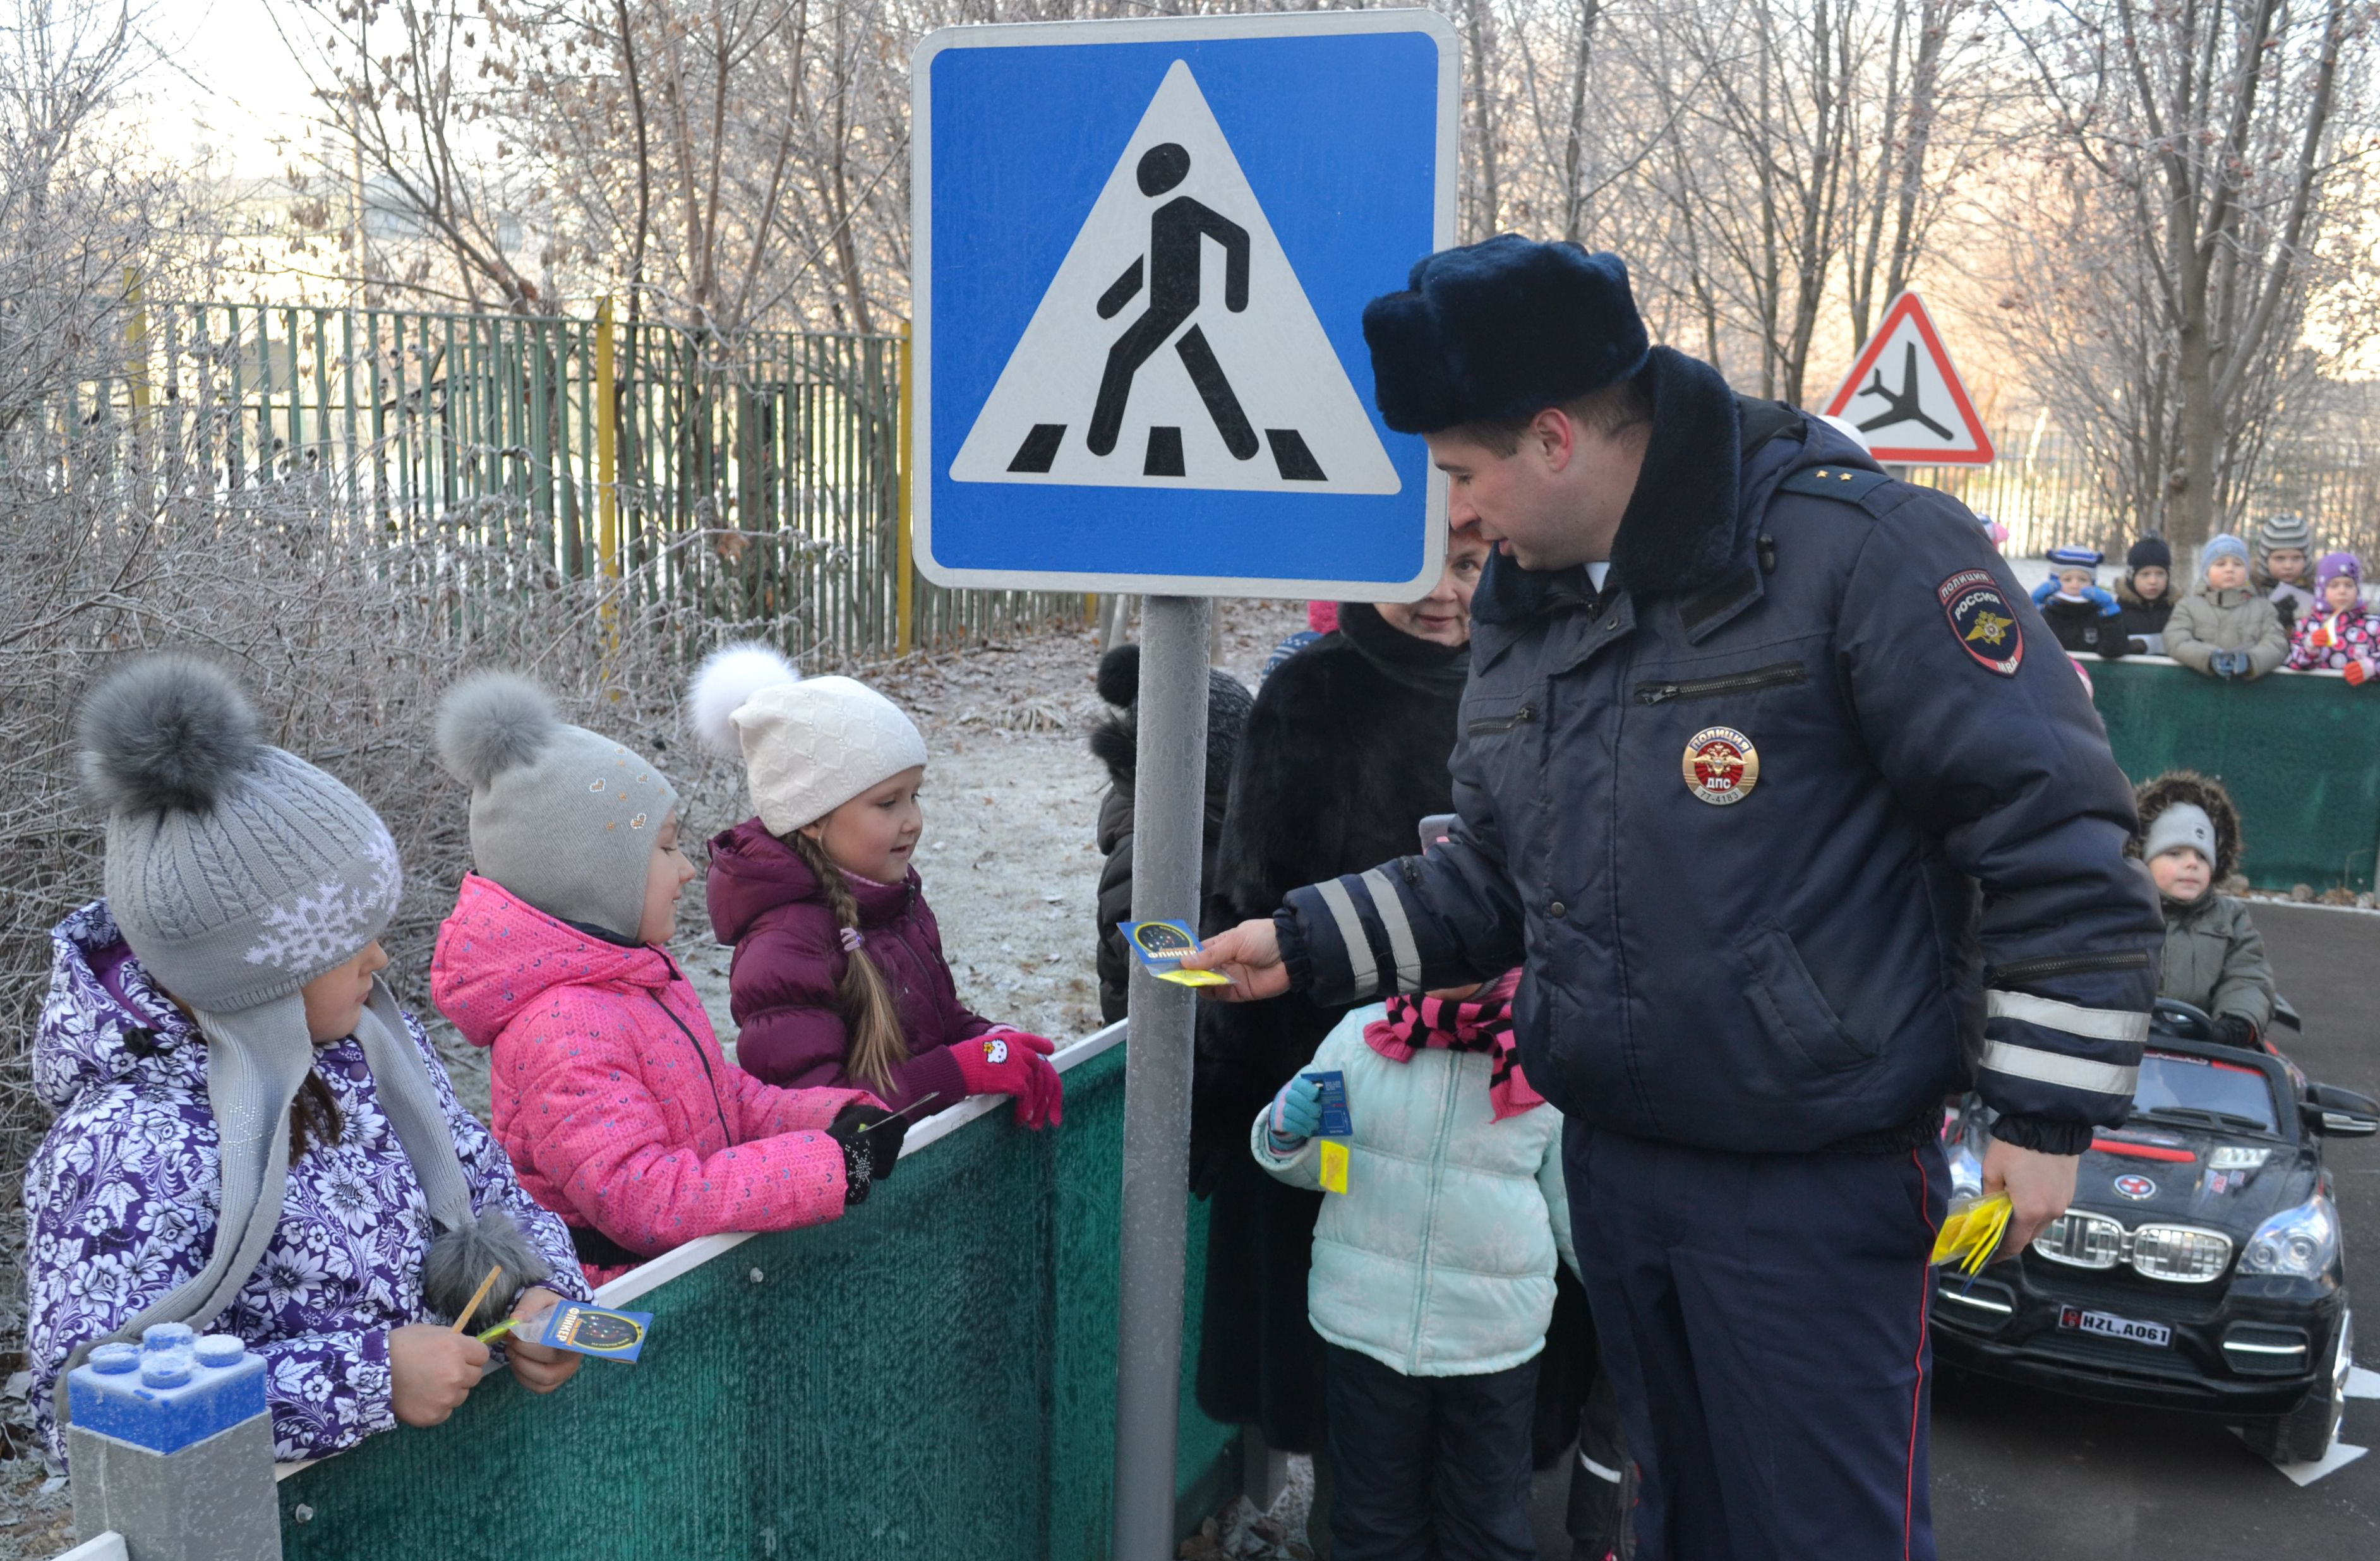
(230, 976)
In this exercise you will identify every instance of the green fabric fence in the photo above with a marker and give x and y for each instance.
(2299, 753)
(933, 1375)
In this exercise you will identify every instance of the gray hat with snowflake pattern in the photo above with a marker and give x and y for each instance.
(237, 872)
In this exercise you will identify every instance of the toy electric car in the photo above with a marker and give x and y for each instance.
(2201, 1266)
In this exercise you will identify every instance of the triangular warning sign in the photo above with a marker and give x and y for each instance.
(1175, 348)
(1905, 397)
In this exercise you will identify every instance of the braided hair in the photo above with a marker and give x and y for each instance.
(869, 1015)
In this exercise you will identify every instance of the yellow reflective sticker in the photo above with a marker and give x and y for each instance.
(1334, 1166)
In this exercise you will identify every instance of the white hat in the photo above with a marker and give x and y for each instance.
(809, 744)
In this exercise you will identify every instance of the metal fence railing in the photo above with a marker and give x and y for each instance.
(756, 480)
(2044, 489)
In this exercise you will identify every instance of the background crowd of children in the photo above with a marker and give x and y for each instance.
(2244, 618)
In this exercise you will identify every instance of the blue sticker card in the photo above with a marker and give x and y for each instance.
(596, 1330)
(1336, 1122)
(1160, 945)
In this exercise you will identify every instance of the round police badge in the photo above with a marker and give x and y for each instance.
(1721, 765)
(2136, 1187)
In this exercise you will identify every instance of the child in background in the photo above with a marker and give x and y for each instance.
(252, 1138)
(1433, 1274)
(1115, 742)
(2283, 544)
(2224, 629)
(2145, 596)
(838, 977)
(2078, 612)
(611, 1092)
(2342, 635)
(2213, 956)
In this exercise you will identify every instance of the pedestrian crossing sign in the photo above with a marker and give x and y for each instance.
(1143, 252)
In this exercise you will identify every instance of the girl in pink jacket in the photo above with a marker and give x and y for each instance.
(611, 1092)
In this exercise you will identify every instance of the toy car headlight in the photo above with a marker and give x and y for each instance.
(2302, 1241)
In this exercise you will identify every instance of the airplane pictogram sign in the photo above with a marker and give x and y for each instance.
(1904, 394)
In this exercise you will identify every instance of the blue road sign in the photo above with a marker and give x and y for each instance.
(1143, 250)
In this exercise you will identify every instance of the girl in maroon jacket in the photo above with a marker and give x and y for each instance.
(838, 977)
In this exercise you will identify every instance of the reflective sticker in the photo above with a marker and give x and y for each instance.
(1982, 619)
(2136, 1187)
(1721, 766)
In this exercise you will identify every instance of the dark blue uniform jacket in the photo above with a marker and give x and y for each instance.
(1923, 886)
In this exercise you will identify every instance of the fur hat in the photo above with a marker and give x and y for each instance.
(2150, 552)
(808, 745)
(2201, 792)
(2282, 531)
(563, 816)
(1500, 329)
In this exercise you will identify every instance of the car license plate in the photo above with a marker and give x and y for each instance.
(2106, 1324)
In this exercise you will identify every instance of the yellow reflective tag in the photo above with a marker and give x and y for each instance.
(1334, 1166)
(1971, 1231)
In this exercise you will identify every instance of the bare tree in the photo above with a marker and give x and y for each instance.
(2200, 160)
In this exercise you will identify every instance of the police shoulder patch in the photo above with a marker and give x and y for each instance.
(1850, 484)
(1981, 620)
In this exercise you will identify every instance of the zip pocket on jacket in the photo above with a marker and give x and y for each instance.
(1487, 724)
(1777, 676)
(2064, 965)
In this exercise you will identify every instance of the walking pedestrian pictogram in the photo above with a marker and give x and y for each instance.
(1176, 346)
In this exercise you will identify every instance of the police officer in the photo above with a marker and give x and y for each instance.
(1800, 822)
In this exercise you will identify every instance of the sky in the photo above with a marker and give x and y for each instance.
(228, 81)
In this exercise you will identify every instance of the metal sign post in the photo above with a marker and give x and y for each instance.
(1142, 252)
(1168, 803)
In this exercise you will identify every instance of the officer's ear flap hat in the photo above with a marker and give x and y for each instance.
(1499, 330)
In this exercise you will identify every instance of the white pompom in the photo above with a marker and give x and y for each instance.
(730, 675)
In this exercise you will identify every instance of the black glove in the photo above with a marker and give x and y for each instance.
(2234, 1030)
(870, 1137)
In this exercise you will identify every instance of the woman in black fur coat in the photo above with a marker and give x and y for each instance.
(1344, 754)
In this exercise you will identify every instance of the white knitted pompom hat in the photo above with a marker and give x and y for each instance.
(809, 744)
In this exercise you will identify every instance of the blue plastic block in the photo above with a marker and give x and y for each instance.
(170, 1390)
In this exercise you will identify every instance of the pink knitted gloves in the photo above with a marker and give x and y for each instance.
(1012, 1062)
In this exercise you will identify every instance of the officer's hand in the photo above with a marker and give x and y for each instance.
(2039, 1187)
(1248, 953)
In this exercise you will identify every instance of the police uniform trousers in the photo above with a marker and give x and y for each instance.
(1763, 1319)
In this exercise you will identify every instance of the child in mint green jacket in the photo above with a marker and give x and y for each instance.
(1433, 1277)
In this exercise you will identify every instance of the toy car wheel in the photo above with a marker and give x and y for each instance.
(2304, 1435)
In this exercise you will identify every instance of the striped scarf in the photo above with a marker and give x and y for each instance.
(1482, 1022)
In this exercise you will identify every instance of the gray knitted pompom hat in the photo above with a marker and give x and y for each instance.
(561, 816)
(237, 872)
